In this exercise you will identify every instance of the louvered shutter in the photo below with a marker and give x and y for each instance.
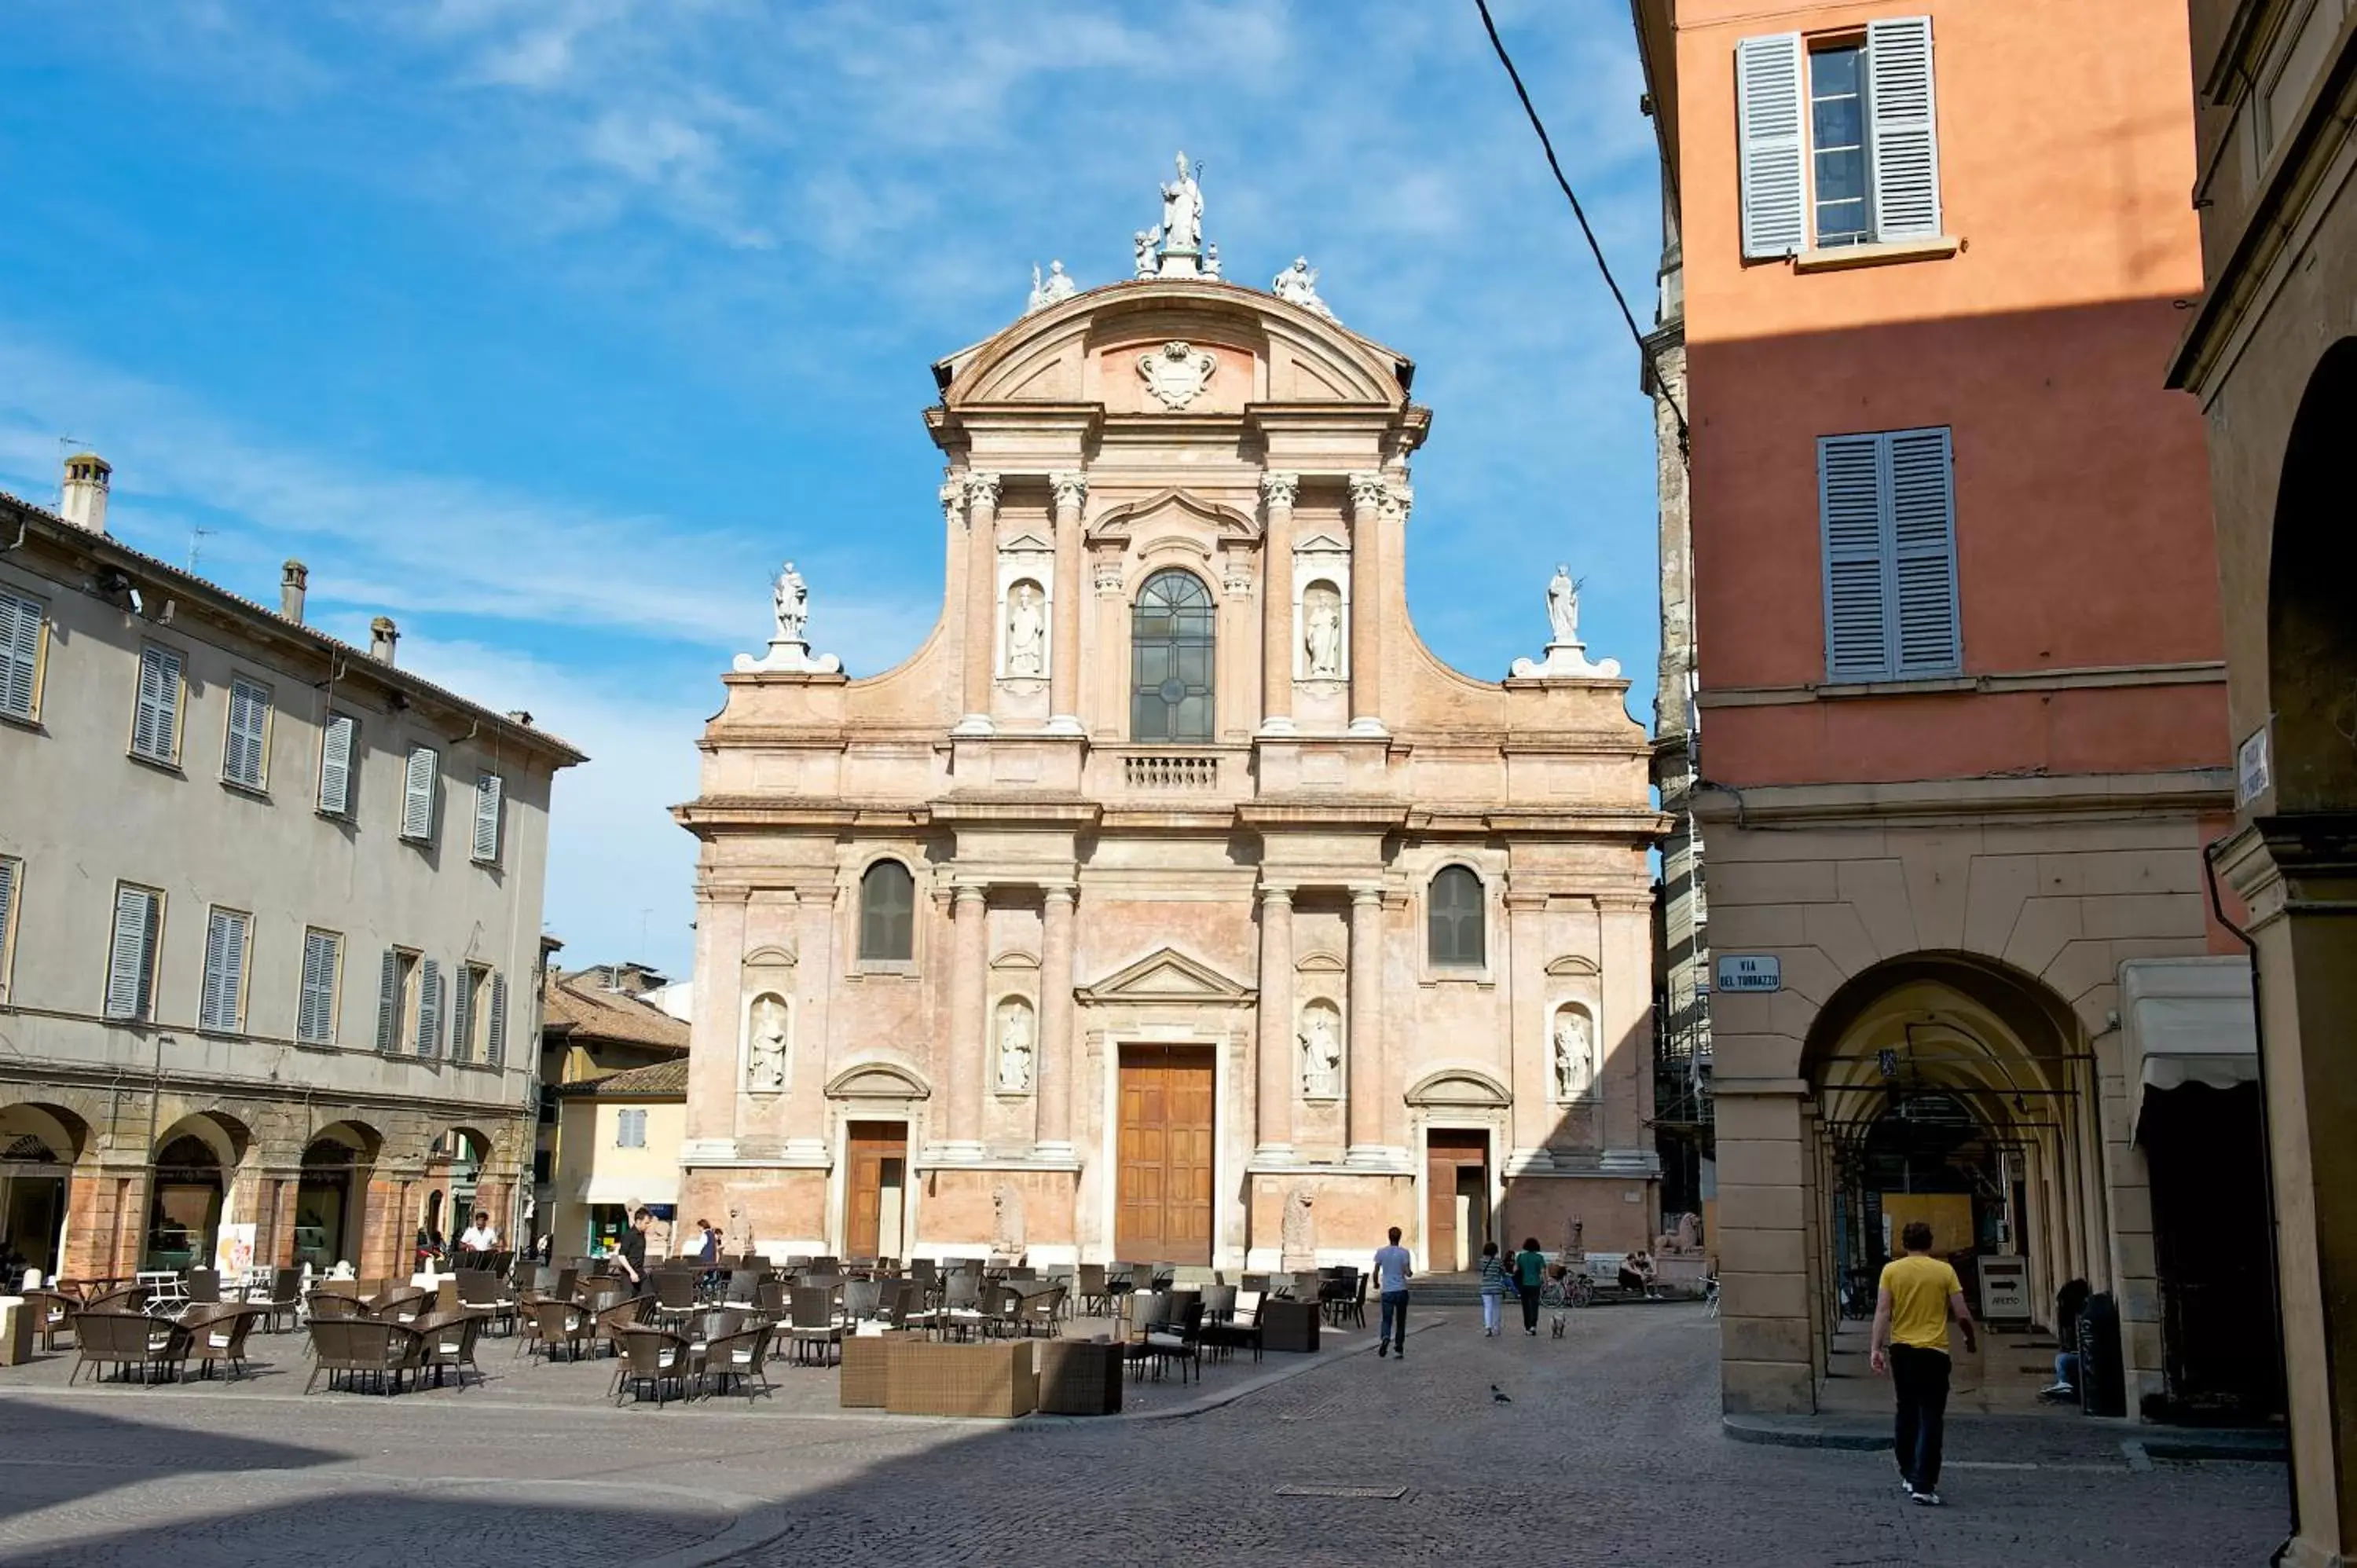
(495, 1045)
(1923, 552)
(1849, 503)
(129, 960)
(488, 791)
(336, 765)
(388, 1004)
(315, 1018)
(155, 729)
(224, 969)
(249, 723)
(1769, 105)
(417, 794)
(20, 654)
(1903, 132)
(7, 908)
(462, 1014)
(429, 1009)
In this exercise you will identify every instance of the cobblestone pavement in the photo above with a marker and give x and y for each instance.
(1608, 1451)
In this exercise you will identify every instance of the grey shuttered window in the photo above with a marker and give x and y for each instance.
(339, 748)
(221, 1004)
(429, 1008)
(489, 789)
(1903, 132)
(462, 1013)
(156, 721)
(20, 656)
(245, 754)
(388, 1003)
(495, 1041)
(1768, 104)
(1887, 502)
(631, 1129)
(12, 882)
(888, 902)
(1453, 918)
(315, 1010)
(417, 794)
(131, 957)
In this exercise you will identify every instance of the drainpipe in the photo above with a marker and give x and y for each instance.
(2268, 1172)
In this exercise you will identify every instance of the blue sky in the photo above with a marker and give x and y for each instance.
(549, 326)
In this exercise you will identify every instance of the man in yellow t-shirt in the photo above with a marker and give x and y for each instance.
(1920, 1294)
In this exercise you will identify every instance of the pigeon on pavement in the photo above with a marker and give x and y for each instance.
(1498, 1395)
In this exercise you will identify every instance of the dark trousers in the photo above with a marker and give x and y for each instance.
(1391, 1327)
(1921, 1379)
(1529, 1294)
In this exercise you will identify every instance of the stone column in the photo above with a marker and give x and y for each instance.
(1368, 494)
(1364, 1088)
(1765, 1362)
(981, 600)
(1052, 1065)
(1277, 1054)
(1064, 647)
(1277, 632)
(968, 1031)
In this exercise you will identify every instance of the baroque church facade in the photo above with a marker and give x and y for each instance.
(1173, 902)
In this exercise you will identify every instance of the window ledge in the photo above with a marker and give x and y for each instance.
(251, 791)
(899, 967)
(170, 764)
(1931, 683)
(31, 722)
(1938, 247)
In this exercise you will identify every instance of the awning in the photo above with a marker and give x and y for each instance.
(629, 1191)
(2187, 1020)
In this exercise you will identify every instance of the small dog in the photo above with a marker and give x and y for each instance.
(1559, 1317)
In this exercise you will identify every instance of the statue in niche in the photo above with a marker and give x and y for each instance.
(1563, 606)
(1297, 1235)
(1006, 1220)
(1027, 630)
(1321, 632)
(1573, 1053)
(1182, 212)
(790, 605)
(1321, 1051)
(765, 1058)
(1015, 1046)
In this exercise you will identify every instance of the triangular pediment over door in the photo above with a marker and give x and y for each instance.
(1167, 975)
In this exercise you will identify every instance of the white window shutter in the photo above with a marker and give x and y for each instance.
(388, 1004)
(249, 726)
(128, 961)
(224, 969)
(315, 1016)
(488, 791)
(1850, 507)
(155, 729)
(1923, 552)
(7, 906)
(20, 654)
(1902, 128)
(417, 794)
(1769, 107)
(429, 1008)
(495, 1045)
(462, 1014)
(336, 765)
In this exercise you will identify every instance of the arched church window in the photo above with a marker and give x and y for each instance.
(1453, 919)
(1170, 638)
(888, 902)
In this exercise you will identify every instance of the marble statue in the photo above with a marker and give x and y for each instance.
(765, 1055)
(1006, 1228)
(1298, 1232)
(1182, 212)
(1566, 656)
(1563, 606)
(1298, 285)
(1144, 241)
(788, 622)
(1573, 1054)
(1015, 1046)
(1211, 260)
(1574, 1239)
(790, 605)
(1027, 631)
(1321, 632)
(1054, 289)
(1322, 1052)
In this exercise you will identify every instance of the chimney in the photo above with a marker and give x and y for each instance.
(382, 634)
(290, 590)
(84, 501)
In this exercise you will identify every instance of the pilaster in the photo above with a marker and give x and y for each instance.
(1276, 629)
(1276, 1077)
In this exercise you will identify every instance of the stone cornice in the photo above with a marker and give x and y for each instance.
(2189, 792)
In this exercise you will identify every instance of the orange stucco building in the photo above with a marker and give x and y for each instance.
(1960, 707)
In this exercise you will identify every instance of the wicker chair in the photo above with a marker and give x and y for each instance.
(385, 1353)
(650, 1356)
(399, 1303)
(479, 1294)
(628, 1313)
(280, 1298)
(52, 1315)
(217, 1333)
(1178, 1340)
(122, 1298)
(1043, 1313)
(449, 1342)
(813, 1323)
(1238, 1329)
(1094, 1296)
(861, 1299)
(743, 1356)
(105, 1337)
(676, 1293)
(553, 1324)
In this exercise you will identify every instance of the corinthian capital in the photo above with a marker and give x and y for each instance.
(982, 491)
(953, 502)
(1398, 499)
(1070, 488)
(1278, 489)
(1367, 492)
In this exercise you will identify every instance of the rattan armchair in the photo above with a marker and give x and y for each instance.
(128, 1341)
(217, 1334)
(650, 1358)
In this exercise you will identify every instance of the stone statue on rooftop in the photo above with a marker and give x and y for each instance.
(1563, 607)
(790, 620)
(1182, 212)
(789, 604)
(1298, 285)
(1144, 242)
(1054, 289)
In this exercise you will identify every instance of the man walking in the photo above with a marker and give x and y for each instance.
(1392, 1272)
(1919, 1294)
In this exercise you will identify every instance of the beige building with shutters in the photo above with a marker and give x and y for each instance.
(269, 921)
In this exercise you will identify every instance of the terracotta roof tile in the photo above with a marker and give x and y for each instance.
(656, 1078)
(576, 1003)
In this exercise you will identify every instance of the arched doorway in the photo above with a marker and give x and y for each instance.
(2311, 633)
(454, 1178)
(38, 1146)
(330, 1196)
(184, 1210)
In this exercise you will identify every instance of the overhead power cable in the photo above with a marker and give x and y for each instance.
(1547, 146)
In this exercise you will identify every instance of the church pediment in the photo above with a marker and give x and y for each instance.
(1460, 1089)
(1117, 524)
(878, 1081)
(1167, 975)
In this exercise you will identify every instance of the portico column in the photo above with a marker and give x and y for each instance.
(968, 954)
(981, 599)
(1365, 1062)
(1064, 652)
(1276, 629)
(1053, 1066)
(1368, 493)
(1277, 1054)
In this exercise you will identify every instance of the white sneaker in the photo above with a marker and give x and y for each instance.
(1928, 1499)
